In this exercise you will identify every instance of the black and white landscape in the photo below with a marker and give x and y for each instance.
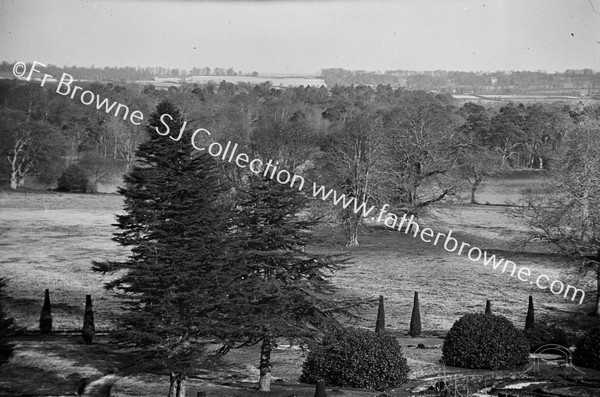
(300, 198)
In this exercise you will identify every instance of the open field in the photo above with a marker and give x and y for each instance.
(48, 240)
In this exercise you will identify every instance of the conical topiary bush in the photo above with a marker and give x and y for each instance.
(89, 329)
(380, 324)
(488, 307)
(530, 319)
(415, 319)
(46, 315)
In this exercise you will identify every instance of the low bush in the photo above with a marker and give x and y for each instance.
(544, 334)
(485, 341)
(587, 349)
(356, 358)
(73, 179)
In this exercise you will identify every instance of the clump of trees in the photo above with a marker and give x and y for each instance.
(73, 179)
(566, 210)
(42, 133)
(377, 146)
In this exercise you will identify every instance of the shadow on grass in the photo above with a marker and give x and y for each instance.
(19, 380)
(34, 305)
(57, 365)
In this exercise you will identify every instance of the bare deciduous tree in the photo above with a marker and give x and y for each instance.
(358, 156)
(567, 211)
(425, 148)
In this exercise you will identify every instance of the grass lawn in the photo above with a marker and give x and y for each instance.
(48, 240)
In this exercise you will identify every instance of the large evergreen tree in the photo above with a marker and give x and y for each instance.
(176, 225)
(278, 289)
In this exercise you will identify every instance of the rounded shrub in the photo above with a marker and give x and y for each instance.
(356, 358)
(73, 179)
(587, 349)
(544, 334)
(485, 341)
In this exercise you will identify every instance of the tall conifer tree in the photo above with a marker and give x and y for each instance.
(176, 226)
(279, 288)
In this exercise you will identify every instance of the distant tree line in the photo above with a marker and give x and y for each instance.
(128, 73)
(501, 82)
(571, 81)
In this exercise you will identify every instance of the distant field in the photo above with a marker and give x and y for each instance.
(275, 81)
(508, 188)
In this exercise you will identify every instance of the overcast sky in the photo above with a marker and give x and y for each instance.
(306, 36)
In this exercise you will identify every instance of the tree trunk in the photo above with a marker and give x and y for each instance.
(180, 386)
(473, 191)
(172, 385)
(264, 383)
(596, 311)
(474, 188)
(353, 224)
(353, 239)
(176, 385)
(13, 180)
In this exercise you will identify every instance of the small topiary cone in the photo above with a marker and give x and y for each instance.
(488, 307)
(380, 324)
(530, 319)
(321, 391)
(415, 319)
(46, 315)
(89, 329)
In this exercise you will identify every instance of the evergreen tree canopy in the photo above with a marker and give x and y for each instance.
(277, 288)
(176, 225)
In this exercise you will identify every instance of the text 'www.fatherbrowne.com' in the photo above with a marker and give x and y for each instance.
(450, 244)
